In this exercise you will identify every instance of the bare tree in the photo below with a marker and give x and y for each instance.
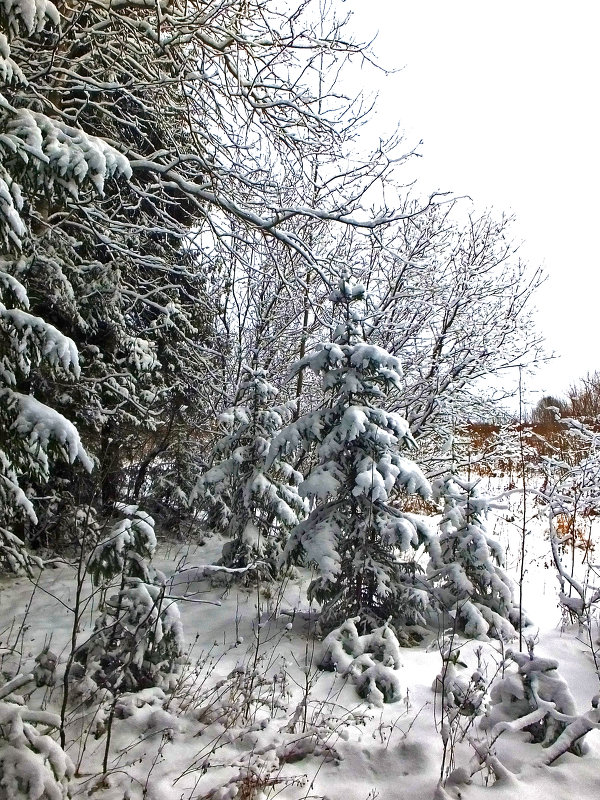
(451, 297)
(584, 397)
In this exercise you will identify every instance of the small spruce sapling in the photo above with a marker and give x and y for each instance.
(353, 535)
(138, 639)
(32, 765)
(371, 661)
(254, 503)
(466, 564)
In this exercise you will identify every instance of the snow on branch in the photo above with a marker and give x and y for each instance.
(43, 425)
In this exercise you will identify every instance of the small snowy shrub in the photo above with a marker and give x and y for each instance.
(461, 697)
(463, 690)
(246, 695)
(535, 698)
(32, 765)
(138, 639)
(370, 660)
(465, 564)
(45, 668)
(258, 776)
(254, 503)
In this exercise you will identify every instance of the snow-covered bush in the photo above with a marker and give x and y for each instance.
(534, 698)
(259, 770)
(32, 765)
(465, 563)
(253, 503)
(246, 694)
(45, 667)
(371, 661)
(138, 639)
(257, 776)
(462, 690)
(353, 535)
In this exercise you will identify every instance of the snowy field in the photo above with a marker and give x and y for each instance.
(252, 715)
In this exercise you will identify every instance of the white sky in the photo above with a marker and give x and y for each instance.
(505, 96)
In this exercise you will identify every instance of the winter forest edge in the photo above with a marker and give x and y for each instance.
(266, 525)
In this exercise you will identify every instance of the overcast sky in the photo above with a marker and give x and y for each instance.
(505, 96)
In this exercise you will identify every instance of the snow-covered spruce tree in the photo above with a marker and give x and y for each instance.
(167, 483)
(43, 157)
(254, 503)
(353, 535)
(86, 262)
(32, 434)
(138, 639)
(465, 563)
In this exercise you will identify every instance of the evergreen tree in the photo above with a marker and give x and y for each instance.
(252, 501)
(100, 263)
(353, 535)
(40, 158)
(138, 638)
(466, 564)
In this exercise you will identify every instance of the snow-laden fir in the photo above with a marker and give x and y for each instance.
(358, 542)
(249, 496)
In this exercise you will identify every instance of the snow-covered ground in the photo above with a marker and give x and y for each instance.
(253, 716)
